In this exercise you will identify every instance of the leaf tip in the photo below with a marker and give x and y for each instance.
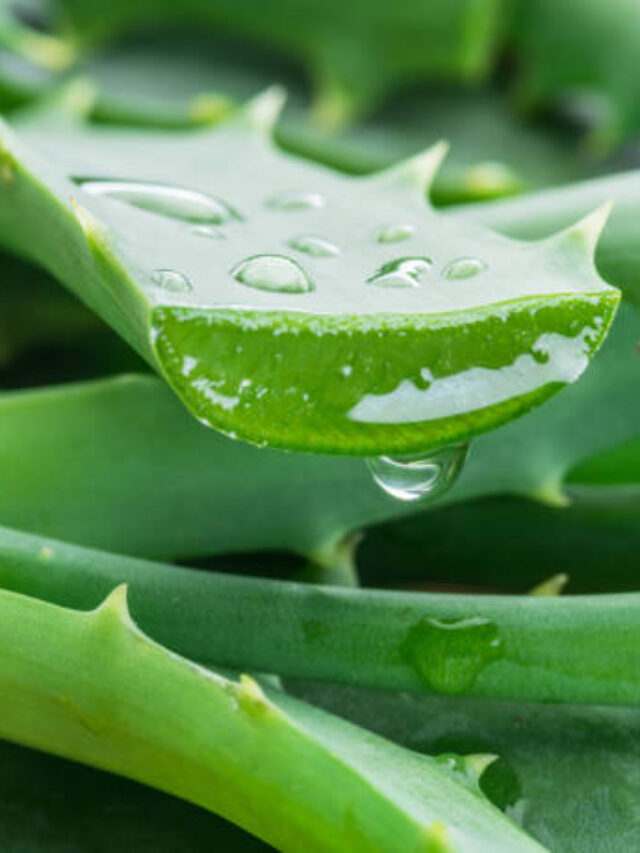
(116, 605)
(587, 230)
(551, 587)
(262, 112)
(420, 170)
(477, 763)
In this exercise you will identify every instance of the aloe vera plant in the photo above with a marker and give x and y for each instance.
(294, 286)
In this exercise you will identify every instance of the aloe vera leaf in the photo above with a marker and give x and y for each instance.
(166, 81)
(49, 803)
(34, 313)
(248, 360)
(589, 754)
(566, 649)
(42, 48)
(541, 213)
(426, 551)
(182, 491)
(92, 686)
(351, 68)
(586, 50)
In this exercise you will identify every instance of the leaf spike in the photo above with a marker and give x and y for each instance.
(89, 226)
(68, 104)
(551, 587)
(586, 231)
(417, 171)
(262, 112)
(477, 763)
(115, 604)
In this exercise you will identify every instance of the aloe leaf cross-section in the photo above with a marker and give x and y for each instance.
(292, 306)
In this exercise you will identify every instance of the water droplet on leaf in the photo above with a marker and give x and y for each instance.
(463, 268)
(449, 655)
(403, 272)
(274, 273)
(173, 281)
(396, 233)
(296, 201)
(164, 199)
(413, 478)
(209, 231)
(317, 247)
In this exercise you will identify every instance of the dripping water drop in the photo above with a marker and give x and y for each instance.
(414, 478)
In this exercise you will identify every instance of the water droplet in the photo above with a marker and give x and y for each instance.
(449, 655)
(396, 233)
(463, 268)
(173, 281)
(317, 247)
(296, 201)
(273, 272)
(164, 199)
(209, 231)
(414, 478)
(403, 272)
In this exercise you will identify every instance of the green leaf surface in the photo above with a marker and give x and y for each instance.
(541, 213)
(565, 649)
(49, 803)
(569, 775)
(512, 544)
(91, 686)
(57, 448)
(451, 333)
(581, 49)
(351, 63)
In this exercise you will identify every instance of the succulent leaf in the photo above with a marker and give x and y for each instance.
(529, 648)
(268, 293)
(91, 686)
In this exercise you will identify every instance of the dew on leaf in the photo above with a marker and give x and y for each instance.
(317, 247)
(174, 282)
(296, 201)
(208, 231)
(402, 272)
(170, 201)
(413, 478)
(396, 233)
(273, 273)
(450, 655)
(463, 268)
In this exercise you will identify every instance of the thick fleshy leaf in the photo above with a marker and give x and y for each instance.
(291, 306)
(91, 686)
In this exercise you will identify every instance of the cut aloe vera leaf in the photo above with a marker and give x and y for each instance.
(91, 686)
(538, 214)
(180, 490)
(291, 306)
